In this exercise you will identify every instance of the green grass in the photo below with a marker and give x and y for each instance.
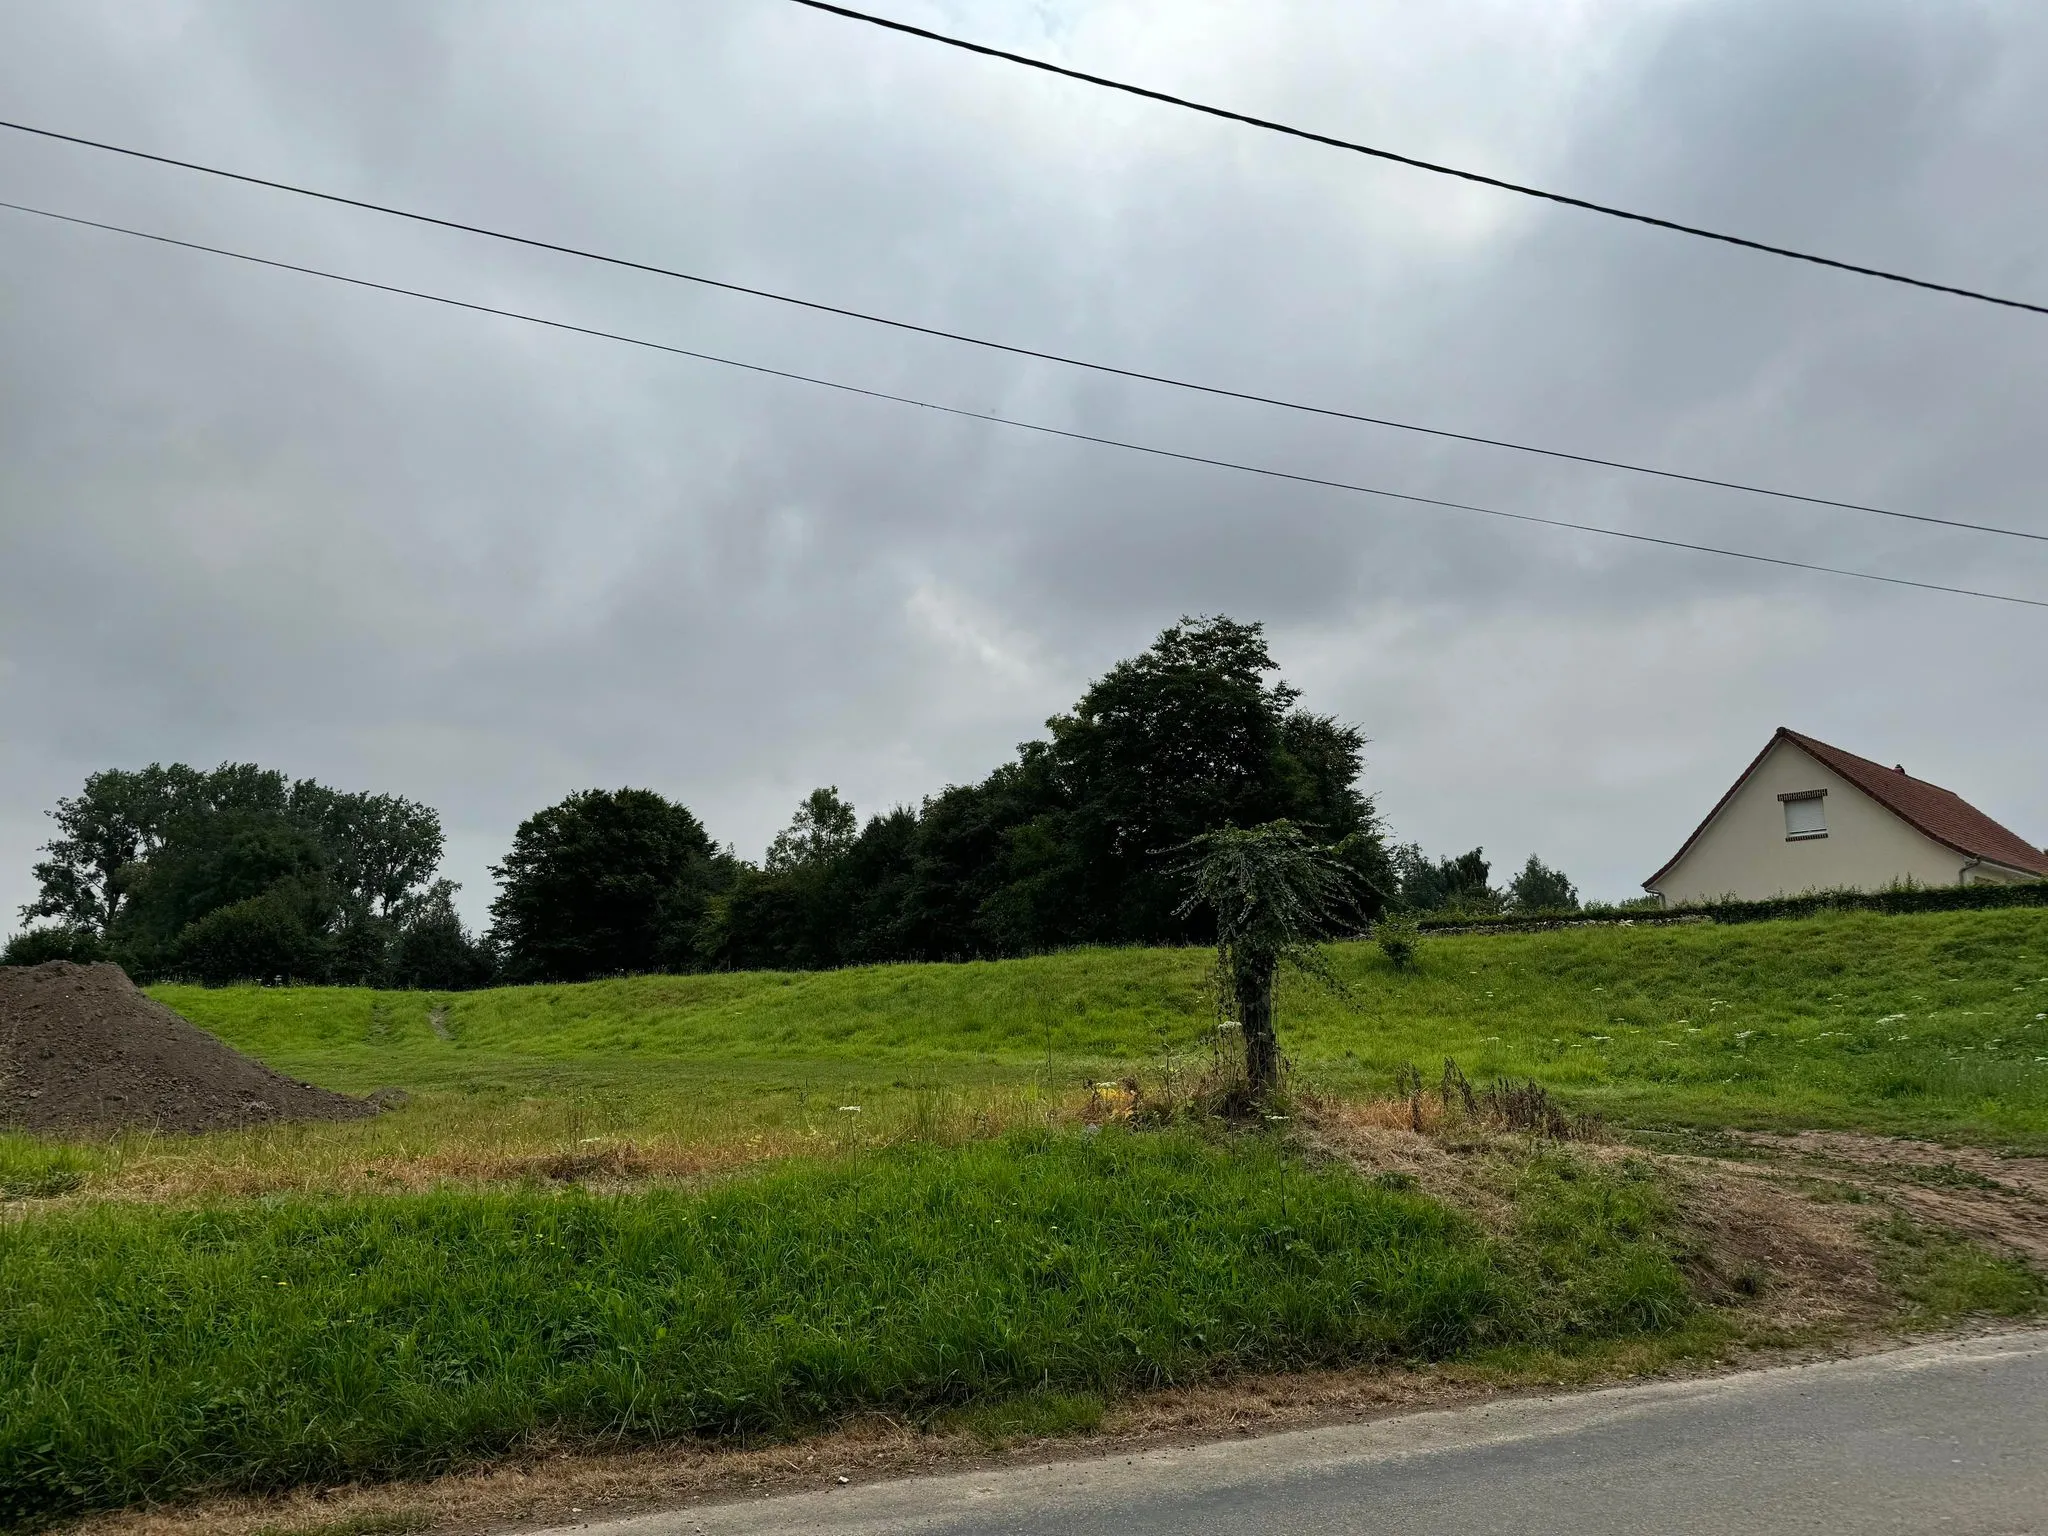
(1940, 1276)
(148, 1352)
(810, 1196)
(31, 1169)
(1924, 1025)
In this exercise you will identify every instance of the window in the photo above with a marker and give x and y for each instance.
(1806, 814)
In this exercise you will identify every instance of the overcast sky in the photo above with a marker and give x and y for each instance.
(253, 516)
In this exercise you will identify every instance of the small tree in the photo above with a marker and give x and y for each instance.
(1539, 888)
(1276, 896)
(823, 829)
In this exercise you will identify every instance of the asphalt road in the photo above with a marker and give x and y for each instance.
(1949, 1438)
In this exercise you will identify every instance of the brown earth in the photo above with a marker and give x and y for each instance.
(1793, 1265)
(1999, 1199)
(81, 1049)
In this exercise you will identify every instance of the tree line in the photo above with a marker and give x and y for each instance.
(239, 872)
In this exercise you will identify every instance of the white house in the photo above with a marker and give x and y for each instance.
(1806, 816)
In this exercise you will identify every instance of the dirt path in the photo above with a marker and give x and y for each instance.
(1999, 1200)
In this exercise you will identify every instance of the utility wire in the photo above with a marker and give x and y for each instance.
(1264, 471)
(1421, 165)
(1215, 390)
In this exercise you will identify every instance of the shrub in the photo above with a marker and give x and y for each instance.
(1397, 939)
(255, 940)
(33, 946)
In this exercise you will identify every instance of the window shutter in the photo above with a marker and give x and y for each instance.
(1806, 815)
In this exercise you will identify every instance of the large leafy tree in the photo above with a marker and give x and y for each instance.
(382, 849)
(141, 856)
(1066, 843)
(824, 828)
(1187, 738)
(606, 881)
(116, 823)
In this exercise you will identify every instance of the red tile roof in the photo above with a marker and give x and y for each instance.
(1940, 813)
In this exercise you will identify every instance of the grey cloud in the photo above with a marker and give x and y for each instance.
(246, 515)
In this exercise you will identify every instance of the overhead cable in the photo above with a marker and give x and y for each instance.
(1012, 349)
(1043, 429)
(1433, 167)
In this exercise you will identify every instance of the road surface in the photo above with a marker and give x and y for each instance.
(1949, 1438)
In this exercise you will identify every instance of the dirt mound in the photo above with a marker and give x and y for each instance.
(81, 1049)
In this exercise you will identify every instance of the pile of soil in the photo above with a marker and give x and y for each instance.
(81, 1049)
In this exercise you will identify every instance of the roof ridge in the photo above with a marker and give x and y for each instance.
(1931, 809)
(1971, 833)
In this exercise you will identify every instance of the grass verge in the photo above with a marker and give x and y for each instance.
(1940, 1276)
(151, 1353)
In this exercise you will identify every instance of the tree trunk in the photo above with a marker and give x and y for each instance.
(1252, 980)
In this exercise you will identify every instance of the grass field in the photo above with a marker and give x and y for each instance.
(1929, 1025)
(754, 1203)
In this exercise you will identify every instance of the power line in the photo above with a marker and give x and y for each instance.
(1110, 369)
(1414, 164)
(1264, 471)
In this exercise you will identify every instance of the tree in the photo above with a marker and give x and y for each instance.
(1184, 739)
(1465, 882)
(1539, 888)
(141, 855)
(102, 833)
(606, 881)
(1459, 883)
(823, 828)
(212, 858)
(434, 952)
(1066, 842)
(832, 893)
(383, 849)
(1275, 895)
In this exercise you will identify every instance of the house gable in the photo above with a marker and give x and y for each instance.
(1793, 822)
(1941, 814)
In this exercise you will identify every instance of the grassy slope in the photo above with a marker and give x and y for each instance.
(1925, 1024)
(147, 1352)
(152, 1349)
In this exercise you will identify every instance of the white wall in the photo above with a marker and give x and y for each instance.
(1745, 852)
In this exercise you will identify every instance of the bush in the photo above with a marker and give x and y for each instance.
(1397, 939)
(1895, 900)
(262, 938)
(33, 946)
(435, 953)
